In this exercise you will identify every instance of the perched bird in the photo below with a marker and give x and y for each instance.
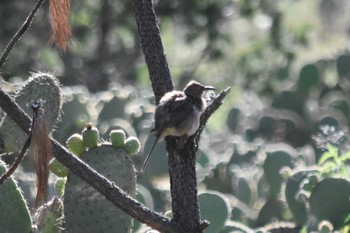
(178, 113)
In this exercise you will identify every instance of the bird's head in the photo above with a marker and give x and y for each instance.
(195, 89)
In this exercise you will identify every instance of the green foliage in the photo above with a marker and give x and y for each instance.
(333, 163)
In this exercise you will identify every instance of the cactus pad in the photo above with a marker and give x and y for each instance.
(14, 214)
(214, 207)
(330, 201)
(85, 209)
(40, 86)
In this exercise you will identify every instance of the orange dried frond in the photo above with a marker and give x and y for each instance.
(61, 29)
(41, 150)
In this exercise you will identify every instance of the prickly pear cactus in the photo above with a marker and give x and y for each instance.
(214, 207)
(298, 209)
(274, 162)
(48, 218)
(39, 86)
(329, 200)
(14, 213)
(85, 209)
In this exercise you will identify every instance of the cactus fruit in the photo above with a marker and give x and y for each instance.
(39, 86)
(117, 137)
(91, 136)
(60, 186)
(14, 213)
(58, 168)
(329, 200)
(75, 144)
(85, 209)
(214, 207)
(132, 145)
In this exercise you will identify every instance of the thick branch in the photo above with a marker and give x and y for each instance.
(153, 48)
(107, 188)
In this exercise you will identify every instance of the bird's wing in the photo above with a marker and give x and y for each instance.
(172, 112)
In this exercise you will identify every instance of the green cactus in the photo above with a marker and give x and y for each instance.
(75, 112)
(14, 213)
(75, 144)
(117, 137)
(308, 78)
(272, 209)
(343, 66)
(58, 168)
(214, 207)
(85, 209)
(274, 162)
(329, 200)
(60, 184)
(48, 218)
(132, 145)
(39, 86)
(115, 103)
(91, 136)
(233, 119)
(244, 190)
(298, 209)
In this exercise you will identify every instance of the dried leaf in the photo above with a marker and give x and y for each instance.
(61, 29)
(41, 151)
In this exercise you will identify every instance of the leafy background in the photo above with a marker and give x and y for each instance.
(287, 63)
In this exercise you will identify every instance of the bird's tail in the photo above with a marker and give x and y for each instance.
(156, 139)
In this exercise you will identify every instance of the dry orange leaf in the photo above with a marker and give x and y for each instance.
(61, 29)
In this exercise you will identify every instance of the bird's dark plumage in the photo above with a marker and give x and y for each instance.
(178, 113)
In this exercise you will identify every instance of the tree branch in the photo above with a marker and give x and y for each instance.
(153, 48)
(19, 33)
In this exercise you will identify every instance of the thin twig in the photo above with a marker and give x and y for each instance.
(19, 159)
(212, 107)
(17, 162)
(19, 33)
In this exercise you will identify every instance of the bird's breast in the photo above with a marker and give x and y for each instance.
(193, 127)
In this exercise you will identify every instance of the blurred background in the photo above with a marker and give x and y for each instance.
(287, 62)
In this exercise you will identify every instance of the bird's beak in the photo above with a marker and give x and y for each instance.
(208, 88)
